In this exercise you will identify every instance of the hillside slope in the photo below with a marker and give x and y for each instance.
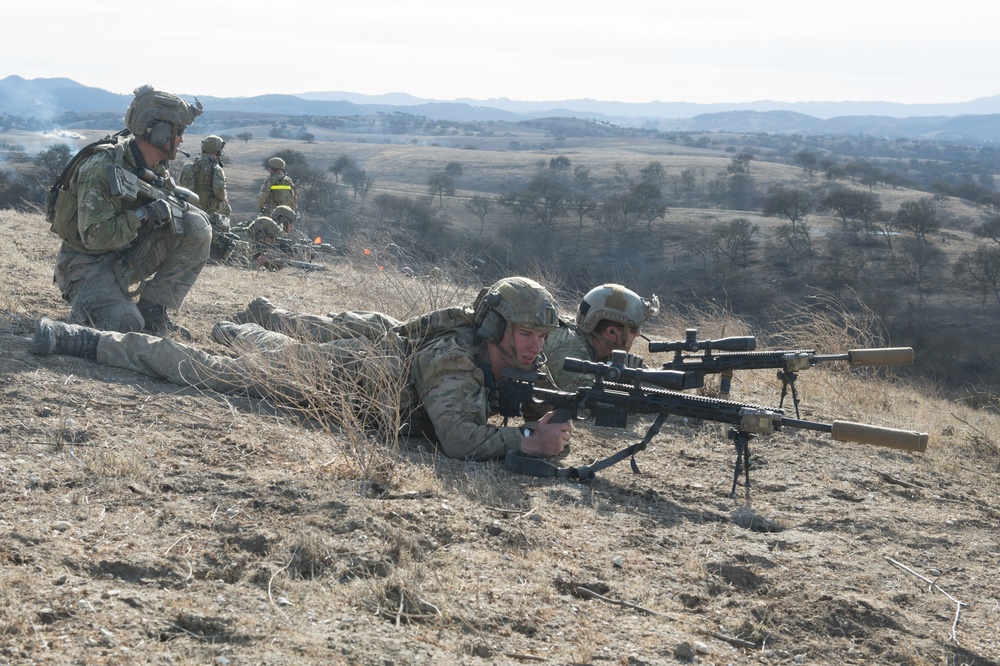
(149, 523)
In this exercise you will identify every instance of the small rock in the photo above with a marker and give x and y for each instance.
(61, 525)
(618, 562)
(684, 651)
(282, 601)
(85, 605)
(701, 648)
(61, 580)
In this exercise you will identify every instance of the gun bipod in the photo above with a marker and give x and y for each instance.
(742, 442)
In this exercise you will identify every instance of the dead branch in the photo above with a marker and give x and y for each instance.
(590, 594)
(932, 585)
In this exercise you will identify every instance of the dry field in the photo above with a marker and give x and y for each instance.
(144, 522)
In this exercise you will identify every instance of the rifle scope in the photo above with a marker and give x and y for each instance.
(691, 343)
(673, 380)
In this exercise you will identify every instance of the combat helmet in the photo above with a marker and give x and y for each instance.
(276, 163)
(264, 228)
(514, 300)
(285, 216)
(212, 144)
(614, 303)
(151, 108)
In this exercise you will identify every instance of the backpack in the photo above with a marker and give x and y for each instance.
(436, 323)
(60, 203)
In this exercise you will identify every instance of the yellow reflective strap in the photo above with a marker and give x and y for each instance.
(281, 187)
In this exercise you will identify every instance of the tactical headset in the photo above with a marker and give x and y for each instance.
(161, 133)
(491, 324)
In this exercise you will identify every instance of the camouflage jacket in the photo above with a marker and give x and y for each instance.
(567, 341)
(206, 178)
(105, 223)
(277, 190)
(450, 385)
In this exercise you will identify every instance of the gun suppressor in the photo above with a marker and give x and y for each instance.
(906, 440)
(886, 356)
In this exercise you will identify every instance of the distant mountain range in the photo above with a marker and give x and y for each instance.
(976, 120)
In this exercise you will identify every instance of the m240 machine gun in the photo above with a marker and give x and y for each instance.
(619, 391)
(698, 358)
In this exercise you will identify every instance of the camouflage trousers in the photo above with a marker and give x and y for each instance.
(97, 285)
(324, 328)
(274, 366)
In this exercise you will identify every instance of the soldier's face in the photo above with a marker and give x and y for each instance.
(526, 343)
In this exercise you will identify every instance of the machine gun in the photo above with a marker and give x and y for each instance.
(144, 185)
(738, 354)
(619, 391)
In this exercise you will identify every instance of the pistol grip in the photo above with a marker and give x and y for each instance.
(561, 416)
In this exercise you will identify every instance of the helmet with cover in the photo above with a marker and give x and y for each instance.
(276, 163)
(264, 230)
(514, 300)
(616, 304)
(212, 144)
(157, 116)
(284, 216)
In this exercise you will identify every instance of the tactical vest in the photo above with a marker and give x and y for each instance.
(203, 180)
(61, 203)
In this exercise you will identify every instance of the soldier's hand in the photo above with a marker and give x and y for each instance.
(548, 439)
(156, 213)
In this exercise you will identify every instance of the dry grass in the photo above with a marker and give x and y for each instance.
(161, 524)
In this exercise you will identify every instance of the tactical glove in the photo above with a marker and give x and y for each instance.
(156, 213)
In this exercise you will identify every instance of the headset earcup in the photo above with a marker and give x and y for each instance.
(492, 328)
(160, 134)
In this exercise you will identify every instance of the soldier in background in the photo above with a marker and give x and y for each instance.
(112, 242)
(608, 319)
(277, 190)
(206, 178)
(451, 361)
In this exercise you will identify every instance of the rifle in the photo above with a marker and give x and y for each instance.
(619, 391)
(286, 244)
(143, 184)
(739, 355)
(277, 263)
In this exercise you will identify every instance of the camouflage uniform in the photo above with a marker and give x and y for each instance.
(112, 241)
(206, 178)
(568, 341)
(277, 190)
(447, 398)
(443, 356)
(114, 250)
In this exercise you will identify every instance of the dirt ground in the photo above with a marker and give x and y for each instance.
(144, 522)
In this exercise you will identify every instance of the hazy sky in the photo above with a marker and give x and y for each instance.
(632, 51)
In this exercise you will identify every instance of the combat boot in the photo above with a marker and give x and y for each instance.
(259, 311)
(56, 337)
(157, 322)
